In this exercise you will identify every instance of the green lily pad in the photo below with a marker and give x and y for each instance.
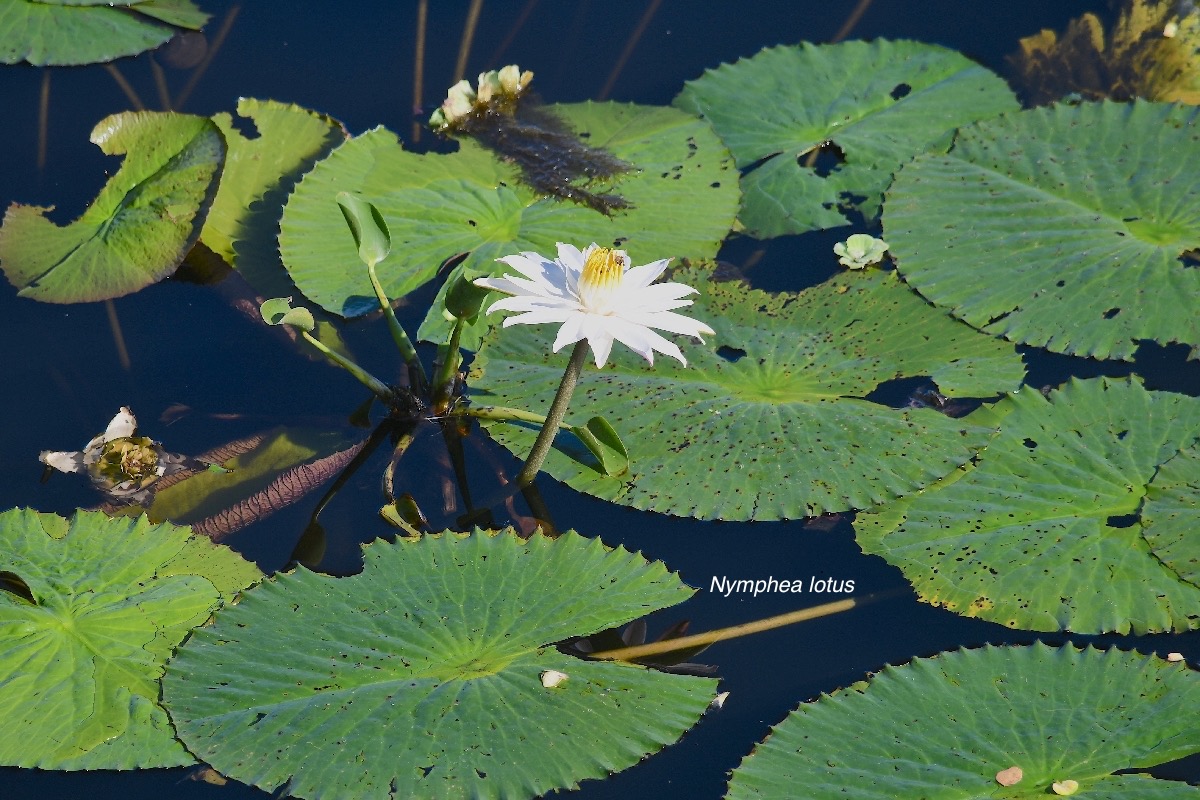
(1172, 514)
(423, 675)
(260, 172)
(61, 33)
(1048, 531)
(439, 206)
(90, 609)
(1076, 241)
(876, 104)
(767, 421)
(943, 728)
(139, 227)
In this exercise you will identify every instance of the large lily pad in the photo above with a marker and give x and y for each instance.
(1051, 528)
(943, 728)
(439, 206)
(1076, 240)
(89, 610)
(1172, 514)
(423, 675)
(66, 32)
(140, 226)
(768, 419)
(876, 104)
(243, 225)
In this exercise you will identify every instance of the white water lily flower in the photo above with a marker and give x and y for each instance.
(597, 296)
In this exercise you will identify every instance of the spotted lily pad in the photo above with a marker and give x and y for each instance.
(872, 105)
(66, 32)
(768, 419)
(954, 727)
(1056, 526)
(427, 674)
(139, 227)
(1083, 240)
(90, 608)
(439, 206)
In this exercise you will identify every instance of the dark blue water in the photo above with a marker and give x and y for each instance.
(188, 346)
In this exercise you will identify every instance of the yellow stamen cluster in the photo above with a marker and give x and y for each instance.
(603, 270)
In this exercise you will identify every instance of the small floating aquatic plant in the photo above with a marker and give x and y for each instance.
(500, 116)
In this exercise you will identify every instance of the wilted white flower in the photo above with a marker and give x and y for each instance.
(597, 296)
(123, 466)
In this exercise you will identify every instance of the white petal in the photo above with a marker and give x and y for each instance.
(571, 258)
(644, 342)
(61, 461)
(660, 296)
(601, 346)
(643, 276)
(537, 317)
(535, 268)
(670, 321)
(570, 332)
(552, 678)
(122, 425)
(510, 284)
(599, 336)
(535, 304)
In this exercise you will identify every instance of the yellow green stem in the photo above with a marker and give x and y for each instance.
(378, 387)
(405, 345)
(643, 651)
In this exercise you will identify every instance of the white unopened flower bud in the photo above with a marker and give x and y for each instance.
(459, 101)
(489, 86)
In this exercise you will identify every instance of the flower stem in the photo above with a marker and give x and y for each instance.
(416, 369)
(554, 417)
(703, 640)
(378, 387)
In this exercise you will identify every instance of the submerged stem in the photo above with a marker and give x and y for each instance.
(378, 387)
(555, 416)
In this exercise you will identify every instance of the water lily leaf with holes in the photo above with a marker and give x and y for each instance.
(942, 728)
(139, 227)
(421, 676)
(1171, 515)
(876, 104)
(259, 174)
(264, 473)
(89, 610)
(58, 33)
(1083, 240)
(767, 421)
(1044, 532)
(439, 206)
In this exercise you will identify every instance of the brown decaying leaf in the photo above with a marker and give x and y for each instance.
(1137, 58)
(286, 489)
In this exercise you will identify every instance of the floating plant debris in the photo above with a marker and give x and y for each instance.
(1152, 52)
(122, 465)
(502, 117)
